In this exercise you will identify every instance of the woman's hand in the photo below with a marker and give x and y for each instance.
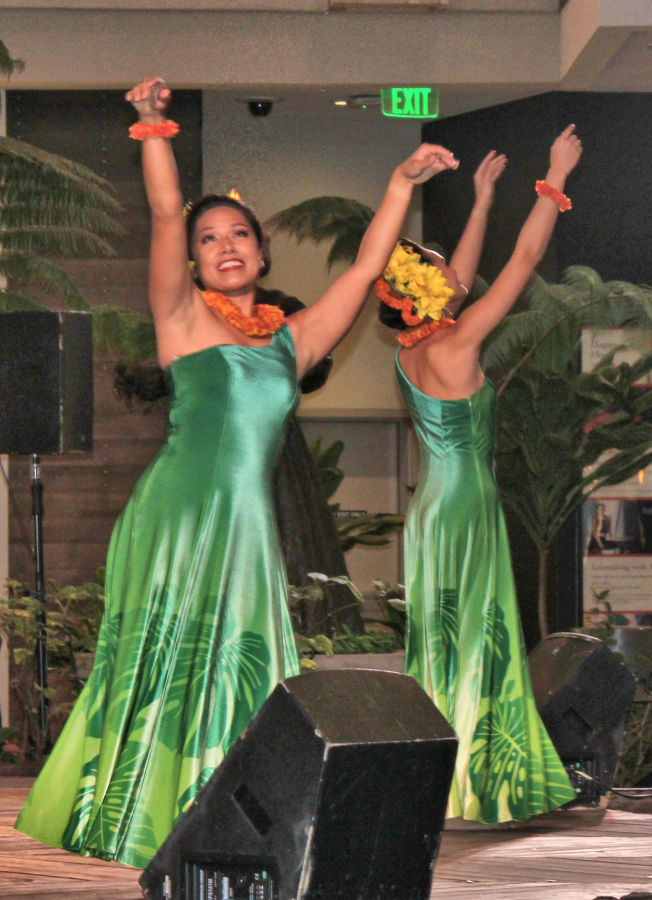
(426, 161)
(486, 176)
(565, 152)
(150, 98)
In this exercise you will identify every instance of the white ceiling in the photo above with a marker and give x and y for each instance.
(311, 52)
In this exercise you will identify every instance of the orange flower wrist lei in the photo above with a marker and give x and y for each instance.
(140, 131)
(544, 189)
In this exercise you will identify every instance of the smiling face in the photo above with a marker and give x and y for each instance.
(226, 251)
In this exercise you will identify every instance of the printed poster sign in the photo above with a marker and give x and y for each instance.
(617, 520)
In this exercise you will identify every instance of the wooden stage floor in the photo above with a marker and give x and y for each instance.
(576, 854)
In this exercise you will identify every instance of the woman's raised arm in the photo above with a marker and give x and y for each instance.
(170, 285)
(321, 326)
(467, 254)
(478, 320)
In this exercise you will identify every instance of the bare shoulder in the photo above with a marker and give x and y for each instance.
(190, 327)
(445, 366)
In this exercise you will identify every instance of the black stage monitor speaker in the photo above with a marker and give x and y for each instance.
(46, 382)
(337, 790)
(583, 693)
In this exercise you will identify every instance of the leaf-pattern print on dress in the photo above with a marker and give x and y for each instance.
(495, 657)
(443, 656)
(499, 753)
(205, 695)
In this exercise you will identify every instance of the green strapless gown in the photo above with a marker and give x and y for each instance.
(464, 639)
(196, 631)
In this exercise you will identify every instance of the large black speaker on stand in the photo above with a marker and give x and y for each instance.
(46, 382)
(46, 406)
(337, 790)
(583, 694)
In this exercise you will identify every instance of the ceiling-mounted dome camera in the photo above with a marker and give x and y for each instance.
(260, 107)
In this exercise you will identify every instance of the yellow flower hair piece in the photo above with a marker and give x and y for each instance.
(422, 282)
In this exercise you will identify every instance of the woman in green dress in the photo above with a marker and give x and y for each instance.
(464, 640)
(196, 631)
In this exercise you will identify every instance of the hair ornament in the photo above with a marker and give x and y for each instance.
(415, 286)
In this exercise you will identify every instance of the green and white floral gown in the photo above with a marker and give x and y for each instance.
(196, 631)
(464, 641)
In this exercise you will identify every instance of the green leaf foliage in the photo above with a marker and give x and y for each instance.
(51, 204)
(548, 319)
(372, 529)
(337, 219)
(559, 439)
(49, 207)
(8, 65)
(561, 432)
(25, 270)
(326, 463)
(125, 332)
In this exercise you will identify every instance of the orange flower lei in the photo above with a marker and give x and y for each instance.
(397, 301)
(410, 338)
(544, 189)
(266, 319)
(140, 131)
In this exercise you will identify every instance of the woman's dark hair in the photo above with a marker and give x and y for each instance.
(210, 201)
(391, 317)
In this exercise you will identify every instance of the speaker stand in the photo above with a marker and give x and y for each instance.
(39, 593)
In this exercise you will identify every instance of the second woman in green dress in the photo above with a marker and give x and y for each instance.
(464, 640)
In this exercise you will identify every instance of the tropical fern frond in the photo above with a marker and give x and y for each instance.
(583, 280)
(344, 249)
(509, 340)
(52, 205)
(49, 207)
(61, 240)
(608, 304)
(51, 172)
(8, 65)
(46, 273)
(323, 219)
(13, 301)
(550, 318)
(125, 332)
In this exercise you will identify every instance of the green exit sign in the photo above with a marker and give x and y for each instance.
(410, 102)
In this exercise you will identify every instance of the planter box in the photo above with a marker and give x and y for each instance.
(386, 662)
